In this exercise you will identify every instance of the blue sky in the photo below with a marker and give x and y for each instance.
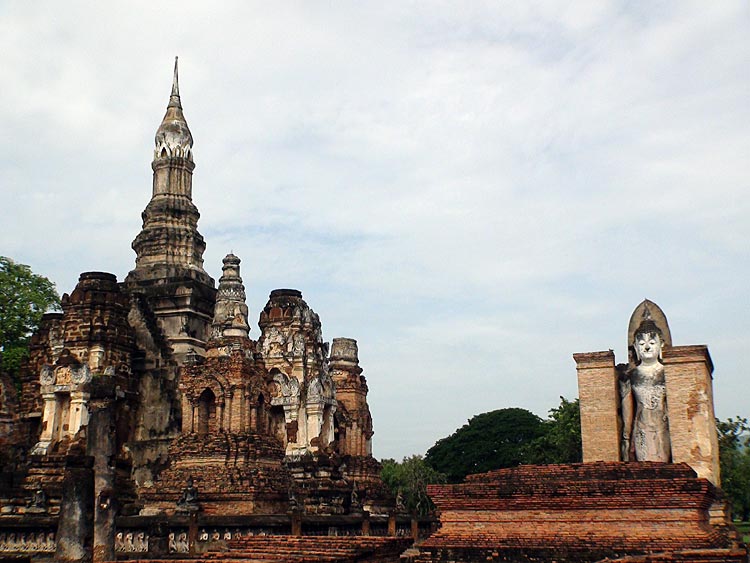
(474, 191)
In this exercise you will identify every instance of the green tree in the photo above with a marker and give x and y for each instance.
(24, 298)
(561, 441)
(734, 458)
(492, 440)
(411, 477)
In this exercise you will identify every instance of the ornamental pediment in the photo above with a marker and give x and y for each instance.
(64, 378)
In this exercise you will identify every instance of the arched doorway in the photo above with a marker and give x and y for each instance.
(206, 411)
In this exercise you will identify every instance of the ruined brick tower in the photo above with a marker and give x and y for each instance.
(150, 401)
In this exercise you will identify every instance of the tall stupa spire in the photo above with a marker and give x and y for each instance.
(169, 249)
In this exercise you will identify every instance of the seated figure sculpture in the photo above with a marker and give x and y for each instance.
(188, 502)
(645, 424)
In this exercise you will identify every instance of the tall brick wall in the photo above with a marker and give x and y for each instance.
(599, 400)
(692, 422)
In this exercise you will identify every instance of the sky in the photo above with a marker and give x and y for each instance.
(473, 190)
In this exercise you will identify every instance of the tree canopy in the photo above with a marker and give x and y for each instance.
(509, 437)
(410, 477)
(734, 456)
(491, 440)
(561, 441)
(24, 298)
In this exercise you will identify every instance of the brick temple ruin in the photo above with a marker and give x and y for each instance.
(151, 426)
(150, 423)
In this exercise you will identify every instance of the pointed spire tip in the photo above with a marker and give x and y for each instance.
(174, 98)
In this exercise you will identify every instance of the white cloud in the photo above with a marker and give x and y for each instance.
(473, 191)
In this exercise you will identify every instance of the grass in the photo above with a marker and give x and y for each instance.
(744, 529)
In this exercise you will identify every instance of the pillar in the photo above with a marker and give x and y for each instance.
(100, 437)
(79, 412)
(49, 416)
(600, 400)
(75, 527)
(692, 422)
(187, 415)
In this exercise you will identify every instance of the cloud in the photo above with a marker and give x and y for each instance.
(474, 192)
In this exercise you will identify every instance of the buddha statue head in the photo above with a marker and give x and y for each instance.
(648, 341)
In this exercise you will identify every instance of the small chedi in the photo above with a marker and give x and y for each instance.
(648, 489)
(150, 422)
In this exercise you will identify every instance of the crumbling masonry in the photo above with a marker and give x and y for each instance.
(188, 431)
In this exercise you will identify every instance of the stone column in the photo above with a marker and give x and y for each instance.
(220, 416)
(692, 423)
(75, 527)
(296, 523)
(242, 401)
(600, 399)
(229, 423)
(101, 440)
(48, 419)
(392, 524)
(314, 423)
(187, 415)
(79, 411)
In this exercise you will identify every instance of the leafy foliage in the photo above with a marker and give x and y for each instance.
(411, 477)
(24, 298)
(734, 456)
(492, 440)
(509, 437)
(561, 441)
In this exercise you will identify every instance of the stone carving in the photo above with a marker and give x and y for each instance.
(321, 388)
(298, 346)
(27, 542)
(140, 545)
(287, 390)
(47, 375)
(400, 507)
(293, 503)
(38, 502)
(178, 543)
(65, 376)
(189, 500)
(354, 502)
(274, 343)
(645, 424)
(120, 542)
(81, 375)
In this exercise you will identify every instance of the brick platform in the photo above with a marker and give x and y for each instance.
(577, 512)
(305, 549)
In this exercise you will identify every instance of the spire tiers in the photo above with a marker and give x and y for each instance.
(230, 314)
(173, 138)
(169, 242)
